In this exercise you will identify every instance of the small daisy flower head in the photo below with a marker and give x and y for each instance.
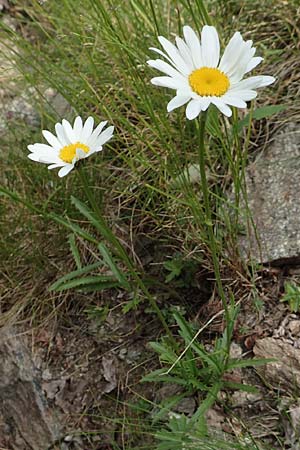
(70, 144)
(194, 69)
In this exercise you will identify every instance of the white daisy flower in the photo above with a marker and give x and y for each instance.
(194, 69)
(70, 144)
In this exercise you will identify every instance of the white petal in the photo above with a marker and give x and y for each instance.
(234, 100)
(53, 141)
(43, 156)
(169, 82)
(177, 101)
(185, 91)
(205, 102)
(80, 154)
(185, 52)
(33, 157)
(62, 135)
(210, 46)
(104, 137)
(193, 109)
(253, 82)
(221, 106)
(194, 45)
(77, 127)
(175, 56)
(69, 131)
(87, 129)
(157, 50)
(246, 94)
(96, 133)
(238, 70)
(45, 147)
(253, 63)
(165, 68)
(56, 165)
(95, 150)
(232, 53)
(65, 170)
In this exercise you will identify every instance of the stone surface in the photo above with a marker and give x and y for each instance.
(294, 327)
(17, 99)
(26, 421)
(292, 427)
(289, 409)
(242, 399)
(273, 181)
(58, 104)
(285, 372)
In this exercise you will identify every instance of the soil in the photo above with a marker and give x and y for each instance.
(90, 371)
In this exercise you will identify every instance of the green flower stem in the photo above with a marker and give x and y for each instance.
(209, 222)
(203, 11)
(122, 252)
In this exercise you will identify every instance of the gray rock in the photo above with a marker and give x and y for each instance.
(4, 5)
(16, 106)
(186, 406)
(26, 421)
(289, 409)
(18, 101)
(242, 399)
(273, 181)
(284, 373)
(293, 427)
(58, 104)
(18, 109)
(294, 327)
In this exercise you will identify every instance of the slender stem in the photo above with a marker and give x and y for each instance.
(91, 198)
(88, 191)
(209, 222)
(122, 253)
(203, 11)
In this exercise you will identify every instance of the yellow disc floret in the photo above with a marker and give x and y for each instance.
(68, 152)
(208, 81)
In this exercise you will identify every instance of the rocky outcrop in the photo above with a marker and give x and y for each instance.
(273, 186)
(26, 421)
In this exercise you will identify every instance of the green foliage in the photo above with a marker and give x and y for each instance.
(292, 296)
(74, 250)
(180, 434)
(260, 113)
(97, 313)
(181, 271)
(195, 370)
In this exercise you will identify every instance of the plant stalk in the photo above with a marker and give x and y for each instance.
(122, 253)
(209, 222)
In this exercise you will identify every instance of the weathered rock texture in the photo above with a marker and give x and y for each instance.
(26, 422)
(285, 371)
(17, 100)
(284, 346)
(273, 186)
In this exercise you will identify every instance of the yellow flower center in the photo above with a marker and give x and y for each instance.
(208, 81)
(68, 152)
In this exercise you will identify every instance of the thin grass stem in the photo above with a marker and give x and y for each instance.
(209, 222)
(114, 241)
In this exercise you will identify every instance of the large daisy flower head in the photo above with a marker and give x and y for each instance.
(70, 144)
(193, 68)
